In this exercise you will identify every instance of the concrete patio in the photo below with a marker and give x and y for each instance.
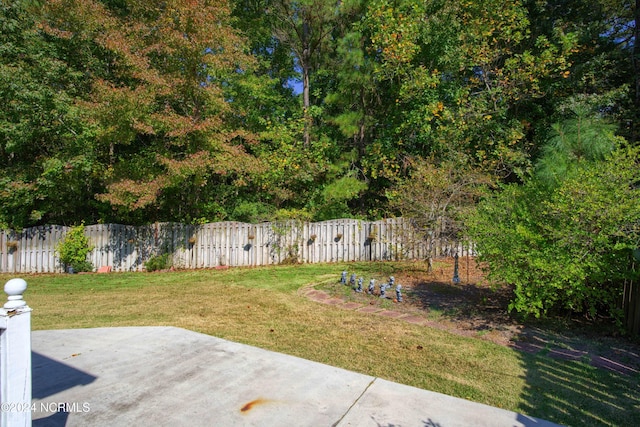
(166, 376)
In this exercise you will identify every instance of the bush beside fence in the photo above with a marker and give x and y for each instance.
(127, 248)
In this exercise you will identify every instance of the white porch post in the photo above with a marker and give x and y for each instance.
(15, 357)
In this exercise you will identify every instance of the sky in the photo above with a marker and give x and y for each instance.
(296, 85)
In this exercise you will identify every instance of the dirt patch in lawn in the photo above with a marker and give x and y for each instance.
(471, 308)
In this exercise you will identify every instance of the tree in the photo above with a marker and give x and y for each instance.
(48, 168)
(436, 197)
(159, 115)
(305, 26)
(602, 60)
(566, 246)
(581, 137)
(257, 21)
(135, 111)
(440, 80)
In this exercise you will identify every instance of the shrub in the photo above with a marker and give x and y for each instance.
(74, 248)
(158, 262)
(567, 246)
(292, 256)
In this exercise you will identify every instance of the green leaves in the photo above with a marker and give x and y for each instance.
(395, 30)
(46, 164)
(582, 138)
(74, 248)
(334, 197)
(568, 246)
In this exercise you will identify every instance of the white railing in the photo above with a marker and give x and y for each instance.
(15, 357)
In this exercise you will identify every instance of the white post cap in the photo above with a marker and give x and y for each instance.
(14, 288)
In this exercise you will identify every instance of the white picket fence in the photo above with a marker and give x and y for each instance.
(127, 248)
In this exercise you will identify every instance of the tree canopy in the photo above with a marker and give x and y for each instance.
(134, 111)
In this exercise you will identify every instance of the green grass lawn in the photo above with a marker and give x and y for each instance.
(261, 307)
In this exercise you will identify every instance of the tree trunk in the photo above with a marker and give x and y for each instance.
(306, 103)
(306, 68)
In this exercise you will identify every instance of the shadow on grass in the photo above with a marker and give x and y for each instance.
(570, 379)
(578, 394)
(462, 302)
